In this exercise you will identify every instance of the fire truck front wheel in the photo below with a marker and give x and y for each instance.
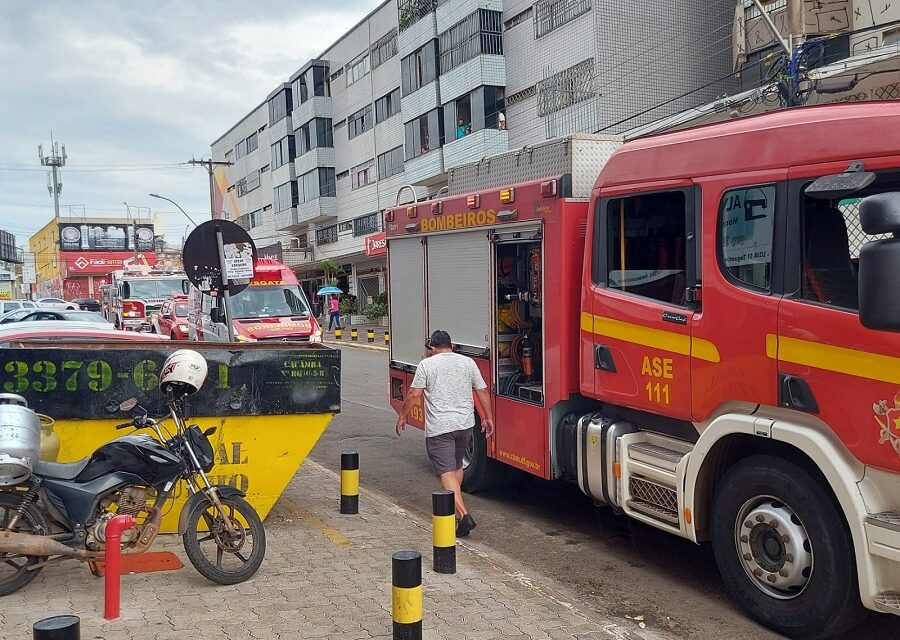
(784, 550)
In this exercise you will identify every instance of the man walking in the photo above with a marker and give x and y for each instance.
(447, 380)
(334, 315)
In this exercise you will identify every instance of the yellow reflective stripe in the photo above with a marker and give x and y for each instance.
(649, 337)
(406, 604)
(349, 482)
(853, 362)
(444, 528)
(772, 346)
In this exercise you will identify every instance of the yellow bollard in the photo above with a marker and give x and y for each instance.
(406, 595)
(387, 338)
(337, 334)
(443, 525)
(350, 482)
(370, 335)
(354, 334)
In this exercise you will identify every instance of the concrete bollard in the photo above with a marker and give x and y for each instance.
(57, 628)
(354, 334)
(406, 595)
(338, 334)
(443, 525)
(350, 482)
(370, 335)
(387, 338)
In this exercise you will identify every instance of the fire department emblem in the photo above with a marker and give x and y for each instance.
(82, 263)
(888, 418)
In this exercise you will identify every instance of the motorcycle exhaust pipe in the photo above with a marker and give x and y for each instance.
(31, 545)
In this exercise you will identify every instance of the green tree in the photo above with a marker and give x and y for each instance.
(331, 269)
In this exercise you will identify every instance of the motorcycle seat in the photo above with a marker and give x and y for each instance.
(60, 470)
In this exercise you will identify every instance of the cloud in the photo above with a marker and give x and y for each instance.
(140, 84)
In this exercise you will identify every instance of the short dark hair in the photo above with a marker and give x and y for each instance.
(440, 340)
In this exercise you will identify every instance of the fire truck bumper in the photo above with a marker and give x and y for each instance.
(138, 324)
(881, 492)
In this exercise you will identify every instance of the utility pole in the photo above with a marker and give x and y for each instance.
(132, 228)
(796, 27)
(55, 161)
(210, 167)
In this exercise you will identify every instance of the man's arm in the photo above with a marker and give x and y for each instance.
(484, 399)
(414, 396)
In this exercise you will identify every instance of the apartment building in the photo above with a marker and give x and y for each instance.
(419, 87)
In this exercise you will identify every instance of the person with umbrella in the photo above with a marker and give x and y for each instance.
(334, 306)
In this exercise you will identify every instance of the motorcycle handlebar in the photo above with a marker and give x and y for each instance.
(124, 425)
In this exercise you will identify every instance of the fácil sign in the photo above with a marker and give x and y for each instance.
(376, 244)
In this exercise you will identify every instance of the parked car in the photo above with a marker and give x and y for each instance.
(57, 303)
(172, 318)
(70, 331)
(87, 304)
(39, 315)
(14, 315)
(13, 305)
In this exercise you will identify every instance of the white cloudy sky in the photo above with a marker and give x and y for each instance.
(133, 88)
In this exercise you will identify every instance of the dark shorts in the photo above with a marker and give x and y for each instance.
(446, 451)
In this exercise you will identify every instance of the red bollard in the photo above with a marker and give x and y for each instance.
(114, 529)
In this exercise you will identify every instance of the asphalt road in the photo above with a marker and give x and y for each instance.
(615, 565)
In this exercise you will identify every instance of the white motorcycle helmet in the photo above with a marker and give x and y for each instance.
(183, 373)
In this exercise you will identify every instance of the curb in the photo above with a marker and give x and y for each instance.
(357, 345)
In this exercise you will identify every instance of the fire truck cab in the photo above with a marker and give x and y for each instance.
(136, 292)
(704, 339)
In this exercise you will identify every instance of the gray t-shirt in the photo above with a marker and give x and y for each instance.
(448, 380)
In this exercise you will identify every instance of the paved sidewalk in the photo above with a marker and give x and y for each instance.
(325, 576)
(362, 339)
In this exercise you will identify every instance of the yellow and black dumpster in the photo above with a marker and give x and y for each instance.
(270, 403)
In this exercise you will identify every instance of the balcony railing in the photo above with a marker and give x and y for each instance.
(411, 11)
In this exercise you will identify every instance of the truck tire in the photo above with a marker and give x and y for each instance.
(482, 473)
(783, 549)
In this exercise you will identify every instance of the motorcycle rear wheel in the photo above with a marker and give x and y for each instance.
(206, 533)
(14, 571)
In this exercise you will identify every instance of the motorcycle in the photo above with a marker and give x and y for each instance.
(62, 510)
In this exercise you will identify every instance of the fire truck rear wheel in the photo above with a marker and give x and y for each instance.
(783, 549)
(482, 473)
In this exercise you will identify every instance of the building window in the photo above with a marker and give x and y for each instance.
(252, 143)
(480, 109)
(552, 14)
(410, 12)
(419, 68)
(318, 183)
(283, 152)
(310, 83)
(315, 133)
(359, 122)
(255, 218)
(390, 163)
(252, 181)
(286, 196)
(264, 168)
(345, 226)
(566, 88)
(387, 106)
(362, 175)
(229, 155)
(364, 225)
(240, 149)
(478, 33)
(280, 106)
(518, 19)
(328, 235)
(241, 187)
(384, 48)
(424, 134)
(358, 68)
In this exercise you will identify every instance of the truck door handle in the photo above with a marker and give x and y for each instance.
(794, 393)
(603, 359)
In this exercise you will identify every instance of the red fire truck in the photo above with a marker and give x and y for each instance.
(273, 307)
(136, 292)
(700, 329)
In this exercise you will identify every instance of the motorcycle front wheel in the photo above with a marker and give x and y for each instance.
(15, 569)
(219, 556)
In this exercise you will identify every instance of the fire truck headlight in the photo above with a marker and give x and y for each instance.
(183, 328)
(240, 338)
(316, 337)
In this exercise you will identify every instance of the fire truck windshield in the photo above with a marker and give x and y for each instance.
(269, 302)
(145, 288)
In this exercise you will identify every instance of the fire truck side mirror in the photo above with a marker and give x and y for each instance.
(186, 287)
(879, 263)
(126, 289)
(217, 315)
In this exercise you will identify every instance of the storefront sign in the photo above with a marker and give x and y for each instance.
(101, 263)
(29, 270)
(376, 244)
(105, 237)
(272, 251)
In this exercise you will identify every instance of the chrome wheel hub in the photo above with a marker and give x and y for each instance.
(774, 547)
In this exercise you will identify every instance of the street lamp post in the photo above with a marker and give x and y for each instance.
(133, 231)
(156, 195)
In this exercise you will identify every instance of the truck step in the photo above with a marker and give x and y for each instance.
(654, 500)
(888, 601)
(656, 455)
(885, 519)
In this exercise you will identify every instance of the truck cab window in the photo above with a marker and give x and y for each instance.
(746, 230)
(646, 252)
(832, 238)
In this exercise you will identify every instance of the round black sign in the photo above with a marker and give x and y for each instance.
(201, 256)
